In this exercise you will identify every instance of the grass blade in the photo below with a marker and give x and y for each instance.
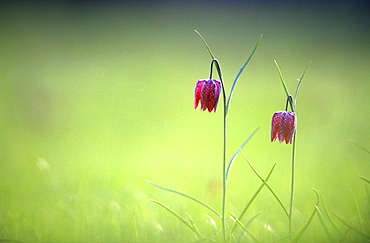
(359, 146)
(237, 152)
(267, 185)
(300, 232)
(360, 219)
(240, 72)
(175, 214)
(244, 228)
(327, 230)
(205, 43)
(254, 195)
(329, 217)
(187, 196)
(285, 87)
(196, 230)
(351, 227)
(213, 58)
(299, 84)
(363, 178)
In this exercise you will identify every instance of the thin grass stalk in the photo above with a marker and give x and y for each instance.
(284, 86)
(238, 151)
(244, 228)
(329, 217)
(264, 182)
(187, 196)
(360, 219)
(267, 185)
(189, 225)
(240, 72)
(325, 225)
(300, 232)
(354, 229)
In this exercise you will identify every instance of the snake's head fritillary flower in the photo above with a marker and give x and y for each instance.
(283, 126)
(208, 93)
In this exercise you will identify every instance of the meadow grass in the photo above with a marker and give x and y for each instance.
(96, 101)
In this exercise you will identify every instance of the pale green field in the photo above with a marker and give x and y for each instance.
(96, 100)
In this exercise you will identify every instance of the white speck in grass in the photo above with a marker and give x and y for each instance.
(43, 165)
(212, 221)
(269, 228)
(159, 227)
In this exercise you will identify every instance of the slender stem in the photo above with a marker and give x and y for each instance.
(224, 179)
(210, 75)
(288, 100)
(292, 188)
(224, 182)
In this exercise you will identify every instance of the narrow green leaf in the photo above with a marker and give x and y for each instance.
(187, 196)
(284, 86)
(214, 60)
(174, 214)
(267, 185)
(351, 227)
(299, 84)
(244, 228)
(359, 146)
(237, 152)
(329, 217)
(363, 178)
(300, 232)
(327, 230)
(196, 230)
(254, 195)
(240, 72)
(359, 216)
(205, 43)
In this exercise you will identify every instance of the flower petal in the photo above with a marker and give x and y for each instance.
(197, 94)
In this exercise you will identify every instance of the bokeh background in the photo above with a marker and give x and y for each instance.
(96, 98)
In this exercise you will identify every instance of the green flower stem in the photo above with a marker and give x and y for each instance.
(224, 179)
(292, 187)
(224, 182)
(226, 105)
(293, 104)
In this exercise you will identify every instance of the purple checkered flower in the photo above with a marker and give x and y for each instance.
(283, 126)
(208, 93)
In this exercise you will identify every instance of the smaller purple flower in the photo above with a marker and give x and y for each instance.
(283, 126)
(208, 93)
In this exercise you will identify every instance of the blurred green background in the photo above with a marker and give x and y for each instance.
(97, 98)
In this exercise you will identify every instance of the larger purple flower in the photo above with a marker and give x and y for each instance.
(208, 93)
(283, 126)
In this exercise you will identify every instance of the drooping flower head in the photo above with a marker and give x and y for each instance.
(283, 126)
(208, 93)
